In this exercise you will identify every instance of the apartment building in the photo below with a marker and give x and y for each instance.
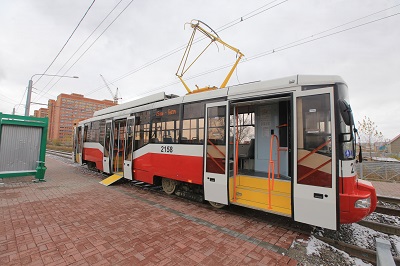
(42, 112)
(67, 109)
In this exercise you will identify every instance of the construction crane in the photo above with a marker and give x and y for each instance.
(213, 36)
(115, 96)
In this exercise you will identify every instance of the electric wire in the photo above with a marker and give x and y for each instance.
(94, 41)
(269, 52)
(182, 47)
(23, 96)
(76, 51)
(69, 38)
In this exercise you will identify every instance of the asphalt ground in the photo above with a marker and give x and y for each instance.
(71, 219)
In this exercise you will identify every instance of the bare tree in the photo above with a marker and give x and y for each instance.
(369, 133)
(245, 130)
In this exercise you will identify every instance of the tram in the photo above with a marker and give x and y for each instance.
(283, 146)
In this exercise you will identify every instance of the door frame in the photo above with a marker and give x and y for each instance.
(107, 160)
(78, 144)
(315, 205)
(128, 164)
(216, 185)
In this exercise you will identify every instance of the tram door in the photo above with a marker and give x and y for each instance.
(216, 150)
(107, 154)
(118, 153)
(315, 193)
(78, 145)
(130, 127)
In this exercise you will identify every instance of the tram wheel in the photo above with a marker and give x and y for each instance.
(216, 204)
(168, 185)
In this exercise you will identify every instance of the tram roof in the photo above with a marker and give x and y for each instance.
(257, 88)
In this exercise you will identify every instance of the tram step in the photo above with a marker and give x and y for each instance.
(112, 179)
(258, 183)
(259, 198)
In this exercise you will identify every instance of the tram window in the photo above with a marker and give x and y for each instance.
(142, 129)
(93, 132)
(216, 125)
(317, 123)
(102, 124)
(129, 141)
(85, 133)
(193, 131)
(314, 151)
(107, 139)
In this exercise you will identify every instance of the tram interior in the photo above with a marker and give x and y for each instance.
(259, 152)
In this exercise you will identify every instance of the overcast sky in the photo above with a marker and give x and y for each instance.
(32, 33)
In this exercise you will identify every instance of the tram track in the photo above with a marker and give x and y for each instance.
(383, 218)
(59, 153)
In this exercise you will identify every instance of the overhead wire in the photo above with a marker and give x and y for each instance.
(23, 96)
(182, 47)
(69, 38)
(76, 51)
(275, 50)
(94, 41)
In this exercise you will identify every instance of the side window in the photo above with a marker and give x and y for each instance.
(102, 131)
(93, 131)
(193, 123)
(142, 129)
(85, 133)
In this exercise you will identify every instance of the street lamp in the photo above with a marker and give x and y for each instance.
(28, 95)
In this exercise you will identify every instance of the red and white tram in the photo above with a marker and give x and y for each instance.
(284, 146)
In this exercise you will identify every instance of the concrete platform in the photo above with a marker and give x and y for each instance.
(73, 220)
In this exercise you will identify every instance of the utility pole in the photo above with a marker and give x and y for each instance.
(29, 93)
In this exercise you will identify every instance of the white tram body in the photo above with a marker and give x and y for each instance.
(284, 146)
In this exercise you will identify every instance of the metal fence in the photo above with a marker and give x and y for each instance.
(381, 171)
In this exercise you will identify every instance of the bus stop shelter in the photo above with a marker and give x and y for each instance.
(22, 146)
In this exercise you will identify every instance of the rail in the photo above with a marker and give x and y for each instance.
(59, 153)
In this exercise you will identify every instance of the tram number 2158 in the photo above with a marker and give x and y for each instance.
(168, 149)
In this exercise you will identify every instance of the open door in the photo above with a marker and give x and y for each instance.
(216, 152)
(315, 194)
(118, 146)
(78, 145)
(107, 154)
(129, 142)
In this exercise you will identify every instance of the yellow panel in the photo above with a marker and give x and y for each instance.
(262, 183)
(111, 179)
(264, 207)
(253, 192)
(277, 199)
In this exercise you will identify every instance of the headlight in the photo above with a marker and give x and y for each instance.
(363, 203)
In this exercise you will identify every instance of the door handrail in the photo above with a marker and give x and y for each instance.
(271, 167)
(215, 161)
(314, 170)
(314, 151)
(212, 144)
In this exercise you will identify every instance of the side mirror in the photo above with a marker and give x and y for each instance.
(346, 113)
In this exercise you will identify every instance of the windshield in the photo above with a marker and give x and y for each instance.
(346, 125)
